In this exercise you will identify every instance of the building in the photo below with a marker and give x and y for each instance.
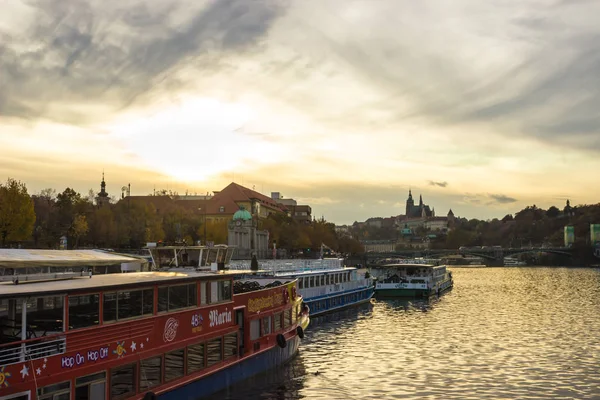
(301, 213)
(244, 235)
(416, 211)
(102, 198)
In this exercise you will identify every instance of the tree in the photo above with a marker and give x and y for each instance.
(17, 216)
(79, 228)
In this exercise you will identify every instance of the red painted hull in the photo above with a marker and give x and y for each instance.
(106, 347)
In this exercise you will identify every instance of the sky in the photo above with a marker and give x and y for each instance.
(483, 107)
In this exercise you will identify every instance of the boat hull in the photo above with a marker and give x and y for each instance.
(235, 373)
(339, 301)
(412, 292)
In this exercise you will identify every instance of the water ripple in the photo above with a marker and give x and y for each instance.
(501, 333)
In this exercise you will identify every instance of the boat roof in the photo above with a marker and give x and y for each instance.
(21, 258)
(401, 265)
(102, 282)
(312, 271)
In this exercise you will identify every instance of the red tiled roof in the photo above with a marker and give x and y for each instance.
(233, 194)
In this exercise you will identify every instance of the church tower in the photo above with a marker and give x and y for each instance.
(410, 203)
(102, 197)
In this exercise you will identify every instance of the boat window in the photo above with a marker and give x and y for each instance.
(312, 281)
(122, 381)
(84, 311)
(91, 387)
(323, 283)
(195, 358)
(220, 291)
(214, 352)
(44, 315)
(172, 298)
(295, 313)
(58, 391)
(203, 293)
(230, 344)
(254, 329)
(174, 363)
(277, 322)
(266, 326)
(150, 372)
(127, 304)
(287, 318)
(300, 283)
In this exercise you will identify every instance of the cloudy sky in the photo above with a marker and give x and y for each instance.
(482, 106)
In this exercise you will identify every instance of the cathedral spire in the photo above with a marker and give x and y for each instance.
(421, 200)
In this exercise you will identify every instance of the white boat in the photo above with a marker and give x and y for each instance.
(411, 280)
(513, 262)
(325, 285)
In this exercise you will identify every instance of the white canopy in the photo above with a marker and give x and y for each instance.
(20, 258)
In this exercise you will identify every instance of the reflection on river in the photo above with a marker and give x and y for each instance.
(500, 333)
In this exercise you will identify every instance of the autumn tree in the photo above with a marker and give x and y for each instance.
(79, 228)
(17, 216)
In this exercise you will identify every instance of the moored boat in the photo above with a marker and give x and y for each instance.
(177, 334)
(513, 262)
(326, 285)
(411, 280)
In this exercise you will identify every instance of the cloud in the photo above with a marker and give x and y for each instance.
(81, 58)
(440, 184)
(502, 199)
(482, 199)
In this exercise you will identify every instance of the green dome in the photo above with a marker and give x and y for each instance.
(242, 214)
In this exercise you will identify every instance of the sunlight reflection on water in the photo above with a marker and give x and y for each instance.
(523, 333)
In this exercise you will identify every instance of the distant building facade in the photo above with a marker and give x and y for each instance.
(301, 213)
(244, 235)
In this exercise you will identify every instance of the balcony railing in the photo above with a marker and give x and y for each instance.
(32, 350)
(327, 290)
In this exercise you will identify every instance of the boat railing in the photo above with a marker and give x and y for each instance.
(31, 349)
(286, 266)
(325, 290)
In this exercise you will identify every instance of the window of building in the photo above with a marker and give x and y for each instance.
(91, 387)
(230, 344)
(221, 209)
(214, 352)
(122, 381)
(84, 311)
(195, 358)
(58, 391)
(220, 291)
(174, 363)
(127, 304)
(254, 329)
(150, 372)
(176, 297)
(266, 326)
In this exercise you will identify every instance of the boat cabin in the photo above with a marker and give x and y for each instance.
(117, 336)
(409, 273)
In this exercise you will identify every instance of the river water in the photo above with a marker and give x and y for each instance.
(527, 333)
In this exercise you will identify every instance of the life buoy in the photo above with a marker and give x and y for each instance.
(305, 308)
(281, 341)
(300, 332)
(150, 396)
(286, 297)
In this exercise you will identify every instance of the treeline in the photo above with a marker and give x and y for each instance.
(532, 226)
(40, 220)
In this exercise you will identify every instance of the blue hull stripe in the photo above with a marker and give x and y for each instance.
(333, 302)
(235, 373)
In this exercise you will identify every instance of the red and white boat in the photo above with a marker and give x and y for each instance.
(183, 333)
